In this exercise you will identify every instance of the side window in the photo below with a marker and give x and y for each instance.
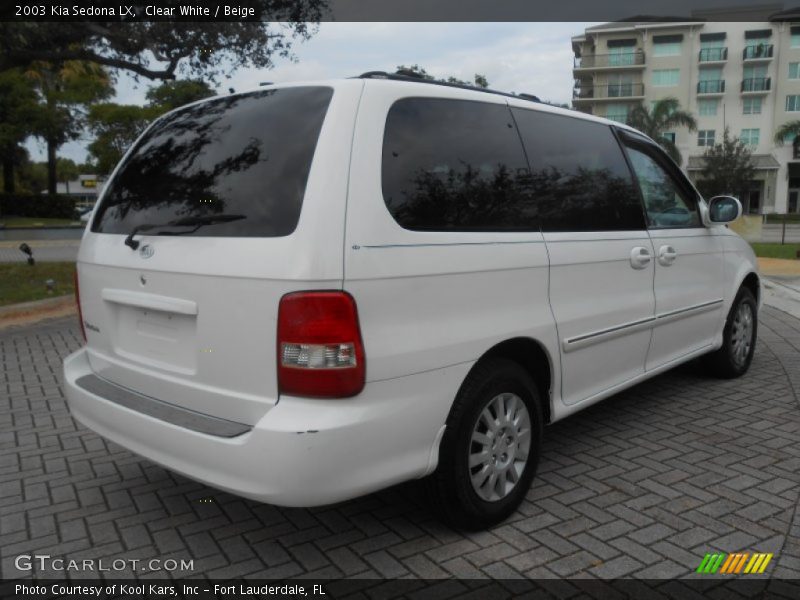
(580, 180)
(455, 165)
(666, 203)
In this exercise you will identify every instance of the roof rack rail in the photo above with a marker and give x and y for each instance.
(413, 77)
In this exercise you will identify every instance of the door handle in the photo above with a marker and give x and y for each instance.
(640, 257)
(666, 255)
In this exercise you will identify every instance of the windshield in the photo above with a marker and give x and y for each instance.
(248, 155)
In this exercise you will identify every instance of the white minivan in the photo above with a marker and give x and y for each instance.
(308, 292)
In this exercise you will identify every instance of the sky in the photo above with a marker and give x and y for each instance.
(535, 58)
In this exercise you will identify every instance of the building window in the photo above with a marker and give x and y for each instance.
(707, 107)
(617, 112)
(620, 85)
(712, 47)
(793, 103)
(669, 135)
(795, 37)
(794, 70)
(705, 137)
(667, 45)
(666, 77)
(750, 136)
(621, 56)
(751, 106)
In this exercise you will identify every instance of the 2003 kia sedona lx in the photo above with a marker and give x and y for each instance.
(309, 292)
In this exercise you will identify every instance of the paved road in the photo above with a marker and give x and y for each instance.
(641, 485)
(43, 251)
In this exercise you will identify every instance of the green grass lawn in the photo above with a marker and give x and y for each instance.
(776, 250)
(11, 222)
(19, 282)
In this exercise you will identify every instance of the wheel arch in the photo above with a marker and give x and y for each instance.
(752, 282)
(534, 358)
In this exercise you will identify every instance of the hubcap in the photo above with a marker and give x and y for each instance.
(501, 441)
(742, 333)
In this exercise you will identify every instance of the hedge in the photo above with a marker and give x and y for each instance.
(55, 206)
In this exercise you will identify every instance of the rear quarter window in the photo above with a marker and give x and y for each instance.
(247, 155)
(455, 165)
(580, 180)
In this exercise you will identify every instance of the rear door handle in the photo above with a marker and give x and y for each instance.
(666, 255)
(640, 257)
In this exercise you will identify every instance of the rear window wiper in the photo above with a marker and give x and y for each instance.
(196, 222)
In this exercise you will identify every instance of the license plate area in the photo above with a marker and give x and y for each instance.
(155, 338)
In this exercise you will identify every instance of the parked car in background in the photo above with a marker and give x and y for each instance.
(310, 292)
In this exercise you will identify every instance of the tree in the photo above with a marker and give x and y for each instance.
(32, 176)
(115, 127)
(62, 89)
(172, 94)
(17, 101)
(66, 171)
(727, 169)
(417, 71)
(163, 49)
(665, 115)
(787, 130)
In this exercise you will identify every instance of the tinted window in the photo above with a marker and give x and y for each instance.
(455, 165)
(246, 155)
(579, 178)
(666, 203)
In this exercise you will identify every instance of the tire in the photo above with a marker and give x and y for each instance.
(493, 383)
(734, 357)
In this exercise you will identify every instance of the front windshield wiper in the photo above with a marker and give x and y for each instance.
(196, 222)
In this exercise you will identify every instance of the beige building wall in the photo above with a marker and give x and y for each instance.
(776, 162)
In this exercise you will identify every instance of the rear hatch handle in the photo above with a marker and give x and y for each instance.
(151, 301)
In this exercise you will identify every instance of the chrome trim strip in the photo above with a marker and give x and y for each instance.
(437, 244)
(680, 313)
(595, 337)
(158, 409)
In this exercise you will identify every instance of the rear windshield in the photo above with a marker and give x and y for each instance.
(245, 155)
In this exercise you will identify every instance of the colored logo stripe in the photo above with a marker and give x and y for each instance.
(735, 564)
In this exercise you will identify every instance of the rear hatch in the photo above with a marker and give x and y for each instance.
(232, 203)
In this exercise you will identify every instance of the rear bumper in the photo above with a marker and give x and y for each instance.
(303, 452)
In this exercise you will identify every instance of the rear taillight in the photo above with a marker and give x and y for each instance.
(78, 303)
(320, 352)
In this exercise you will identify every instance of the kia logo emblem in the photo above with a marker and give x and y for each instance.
(146, 251)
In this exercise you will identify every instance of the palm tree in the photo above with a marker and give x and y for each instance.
(665, 115)
(792, 128)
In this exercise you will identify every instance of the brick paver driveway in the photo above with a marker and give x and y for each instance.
(641, 485)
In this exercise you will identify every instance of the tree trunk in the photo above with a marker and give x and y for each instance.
(8, 175)
(51, 166)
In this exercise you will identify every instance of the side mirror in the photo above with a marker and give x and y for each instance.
(722, 209)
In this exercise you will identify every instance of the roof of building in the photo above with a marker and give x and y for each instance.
(761, 162)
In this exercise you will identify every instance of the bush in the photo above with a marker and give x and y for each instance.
(54, 206)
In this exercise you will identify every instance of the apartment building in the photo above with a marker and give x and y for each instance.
(743, 75)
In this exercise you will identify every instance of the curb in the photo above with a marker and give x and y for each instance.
(35, 305)
(781, 296)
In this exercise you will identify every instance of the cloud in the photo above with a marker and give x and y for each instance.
(535, 58)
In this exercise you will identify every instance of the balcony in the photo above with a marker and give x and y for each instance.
(714, 86)
(614, 91)
(713, 55)
(610, 61)
(756, 85)
(757, 52)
